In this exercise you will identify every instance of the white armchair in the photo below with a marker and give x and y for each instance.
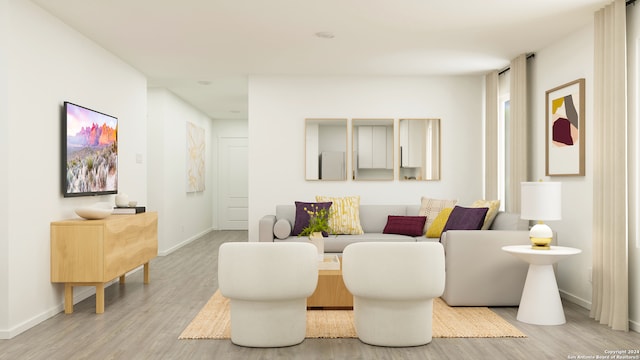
(268, 285)
(393, 285)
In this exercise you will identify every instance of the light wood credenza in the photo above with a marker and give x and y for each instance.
(94, 252)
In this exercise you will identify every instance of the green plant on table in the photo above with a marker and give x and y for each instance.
(318, 221)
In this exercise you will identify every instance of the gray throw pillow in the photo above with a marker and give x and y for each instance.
(282, 229)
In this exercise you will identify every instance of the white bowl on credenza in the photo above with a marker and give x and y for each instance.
(93, 212)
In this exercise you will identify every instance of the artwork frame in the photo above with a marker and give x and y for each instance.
(89, 152)
(565, 129)
(195, 161)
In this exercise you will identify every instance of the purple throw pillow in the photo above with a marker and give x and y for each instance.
(405, 225)
(463, 218)
(302, 216)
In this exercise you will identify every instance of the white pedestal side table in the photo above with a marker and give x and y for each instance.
(540, 303)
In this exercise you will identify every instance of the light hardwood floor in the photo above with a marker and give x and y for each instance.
(144, 322)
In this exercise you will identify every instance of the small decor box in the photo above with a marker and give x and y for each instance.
(128, 210)
(330, 262)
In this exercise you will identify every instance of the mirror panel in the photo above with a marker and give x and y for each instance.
(419, 149)
(326, 149)
(372, 149)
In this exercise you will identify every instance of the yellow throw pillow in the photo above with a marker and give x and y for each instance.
(432, 207)
(344, 214)
(435, 230)
(494, 207)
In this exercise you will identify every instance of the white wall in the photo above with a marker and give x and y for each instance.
(569, 59)
(633, 96)
(182, 216)
(4, 164)
(47, 63)
(278, 107)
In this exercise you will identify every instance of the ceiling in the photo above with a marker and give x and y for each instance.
(204, 50)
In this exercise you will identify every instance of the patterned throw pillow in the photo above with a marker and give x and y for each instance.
(435, 230)
(404, 225)
(432, 207)
(494, 207)
(344, 215)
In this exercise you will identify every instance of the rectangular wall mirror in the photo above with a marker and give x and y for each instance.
(419, 149)
(326, 149)
(372, 149)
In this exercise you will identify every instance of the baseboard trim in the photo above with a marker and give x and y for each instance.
(633, 325)
(28, 324)
(184, 243)
(575, 299)
(79, 294)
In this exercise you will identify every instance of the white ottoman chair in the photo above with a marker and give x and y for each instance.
(393, 286)
(268, 285)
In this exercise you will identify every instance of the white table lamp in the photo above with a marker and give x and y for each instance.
(541, 200)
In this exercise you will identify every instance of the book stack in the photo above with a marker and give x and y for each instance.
(130, 210)
(329, 262)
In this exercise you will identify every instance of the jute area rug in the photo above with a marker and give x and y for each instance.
(213, 322)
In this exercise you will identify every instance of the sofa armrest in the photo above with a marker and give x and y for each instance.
(478, 272)
(265, 228)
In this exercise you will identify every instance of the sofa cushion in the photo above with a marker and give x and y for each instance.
(373, 218)
(435, 230)
(286, 212)
(337, 243)
(282, 229)
(509, 221)
(463, 218)
(302, 214)
(494, 207)
(405, 225)
(344, 217)
(413, 210)
(432, 207)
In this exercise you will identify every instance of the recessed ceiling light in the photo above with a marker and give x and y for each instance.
(325, 35)
(204, 82)
(235, 111)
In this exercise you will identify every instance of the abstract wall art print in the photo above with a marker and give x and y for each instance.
(565, 130)
(195, 158)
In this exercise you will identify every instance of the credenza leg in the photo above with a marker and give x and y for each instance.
(146, 273)
(68, 298)
(99, 298)
(122, 279)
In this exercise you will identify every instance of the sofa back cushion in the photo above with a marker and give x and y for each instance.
(413, 210)
(373, 218)
(509, 221)
(286, 212)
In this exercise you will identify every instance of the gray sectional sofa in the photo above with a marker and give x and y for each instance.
(478, 272)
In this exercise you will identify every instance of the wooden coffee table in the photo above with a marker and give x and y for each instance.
(331, 293)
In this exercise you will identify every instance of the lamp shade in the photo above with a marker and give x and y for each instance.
(541, 200)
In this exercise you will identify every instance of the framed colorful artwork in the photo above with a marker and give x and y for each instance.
(565, 130)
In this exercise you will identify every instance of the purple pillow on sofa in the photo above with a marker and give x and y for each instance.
(405, 225)
(463, 218)
(302, 216)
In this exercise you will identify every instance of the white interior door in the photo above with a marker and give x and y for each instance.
(233, 192)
